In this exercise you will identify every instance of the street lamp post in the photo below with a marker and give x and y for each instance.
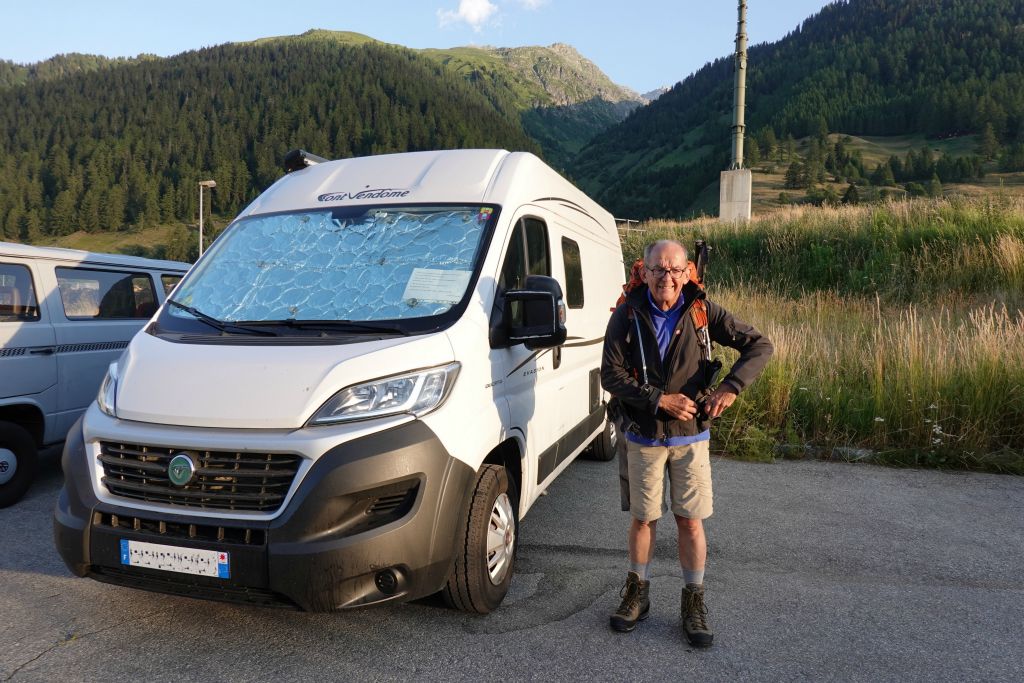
(203, 183)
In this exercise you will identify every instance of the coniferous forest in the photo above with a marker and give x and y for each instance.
(861, 67)
(121, 145)
(95, 144)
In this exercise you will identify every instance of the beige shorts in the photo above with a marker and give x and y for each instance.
(689, 474)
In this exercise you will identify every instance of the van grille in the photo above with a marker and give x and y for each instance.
(222, 480)
(180, 531)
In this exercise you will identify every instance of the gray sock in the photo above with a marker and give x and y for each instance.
(643, 569)
(695, 576)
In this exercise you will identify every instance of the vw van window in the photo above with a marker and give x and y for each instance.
(573, 273)
(18, 301)
(169, 282)
(89, 294)
(355, 264)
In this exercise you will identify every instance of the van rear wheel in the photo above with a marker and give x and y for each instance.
(18, 462)
(485, 559)
(603, 446)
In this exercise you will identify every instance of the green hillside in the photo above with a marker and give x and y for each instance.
(924, 69)
(90, 144)
(120, 148)
(563, 99)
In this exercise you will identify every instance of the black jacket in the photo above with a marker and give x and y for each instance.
(684, 370)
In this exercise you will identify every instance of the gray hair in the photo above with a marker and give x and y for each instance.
(649, 249)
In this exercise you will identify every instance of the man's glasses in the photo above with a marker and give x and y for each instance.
(659, 272)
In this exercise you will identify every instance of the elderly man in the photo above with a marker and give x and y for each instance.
(657, 365)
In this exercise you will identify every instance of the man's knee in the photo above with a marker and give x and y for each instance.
(689, 526)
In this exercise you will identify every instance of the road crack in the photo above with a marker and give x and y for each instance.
(69, 637)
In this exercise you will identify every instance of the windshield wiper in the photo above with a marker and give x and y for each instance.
(334, 325)
(221, 325)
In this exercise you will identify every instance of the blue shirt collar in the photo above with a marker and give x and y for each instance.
(655, 310)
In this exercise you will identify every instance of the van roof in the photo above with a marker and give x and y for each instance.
(461, 176)
(88, 257)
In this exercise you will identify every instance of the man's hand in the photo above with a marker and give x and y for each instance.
(721, 399)
(678, 406)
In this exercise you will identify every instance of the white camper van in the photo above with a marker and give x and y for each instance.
(64, 316)
(357, 392)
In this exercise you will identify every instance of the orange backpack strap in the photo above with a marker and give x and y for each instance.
(699, 315)
(636, 278)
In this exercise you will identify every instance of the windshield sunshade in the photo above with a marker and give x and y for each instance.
(331, 265)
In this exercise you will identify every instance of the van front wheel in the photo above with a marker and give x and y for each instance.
(485, 557)
(18, 460)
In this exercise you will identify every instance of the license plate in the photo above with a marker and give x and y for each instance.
(170, 558)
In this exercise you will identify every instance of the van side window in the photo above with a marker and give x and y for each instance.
(17, 294)
(573, 273)
(169, 282)
(105, 294)
(528, 254)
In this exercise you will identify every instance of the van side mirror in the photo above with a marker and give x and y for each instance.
(535, 315)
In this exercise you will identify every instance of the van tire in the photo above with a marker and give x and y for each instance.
(602, 448)
(471, 586)
(16, 440)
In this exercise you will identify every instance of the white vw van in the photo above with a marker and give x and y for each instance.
(357, 392)
(64, 316)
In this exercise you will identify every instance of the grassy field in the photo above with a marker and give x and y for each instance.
(899, 330)
(111, 242)
(769, 176)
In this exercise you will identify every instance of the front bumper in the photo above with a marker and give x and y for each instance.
(375, 519)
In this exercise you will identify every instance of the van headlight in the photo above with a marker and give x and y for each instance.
(107, 396)
(415, 393)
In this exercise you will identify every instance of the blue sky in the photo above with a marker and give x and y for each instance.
(642, 44)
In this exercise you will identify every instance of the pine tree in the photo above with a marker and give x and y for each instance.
(988, 146)
(852, 195)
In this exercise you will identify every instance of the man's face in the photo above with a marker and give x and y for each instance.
(665, 289)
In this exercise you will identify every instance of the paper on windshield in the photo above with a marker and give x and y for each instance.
(436, 286)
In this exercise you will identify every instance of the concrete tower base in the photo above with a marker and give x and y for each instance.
(735, 195)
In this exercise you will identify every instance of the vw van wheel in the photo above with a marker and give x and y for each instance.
(485, 559)
(18, 459)
(603, 447)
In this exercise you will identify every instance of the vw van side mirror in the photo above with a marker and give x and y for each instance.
(535, 315)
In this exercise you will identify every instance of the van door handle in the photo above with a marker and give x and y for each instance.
(43, 350)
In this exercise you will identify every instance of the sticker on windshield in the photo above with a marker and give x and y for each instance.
(436, 286)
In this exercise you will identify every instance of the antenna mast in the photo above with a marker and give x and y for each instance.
(740, 90)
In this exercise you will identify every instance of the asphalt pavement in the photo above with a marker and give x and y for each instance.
(817, 571)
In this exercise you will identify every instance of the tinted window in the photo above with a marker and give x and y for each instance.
(169, 283)
(527, 255)
(513, 272)
(105, 294)
(573, 273)
(537, 251)
(17, 294)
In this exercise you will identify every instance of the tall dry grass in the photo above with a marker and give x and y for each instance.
(898, 329)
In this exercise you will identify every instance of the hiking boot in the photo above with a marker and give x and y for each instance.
(695, 616)
(635, 604)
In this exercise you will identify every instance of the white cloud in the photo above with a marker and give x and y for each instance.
(533, 4)
(476, 13)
